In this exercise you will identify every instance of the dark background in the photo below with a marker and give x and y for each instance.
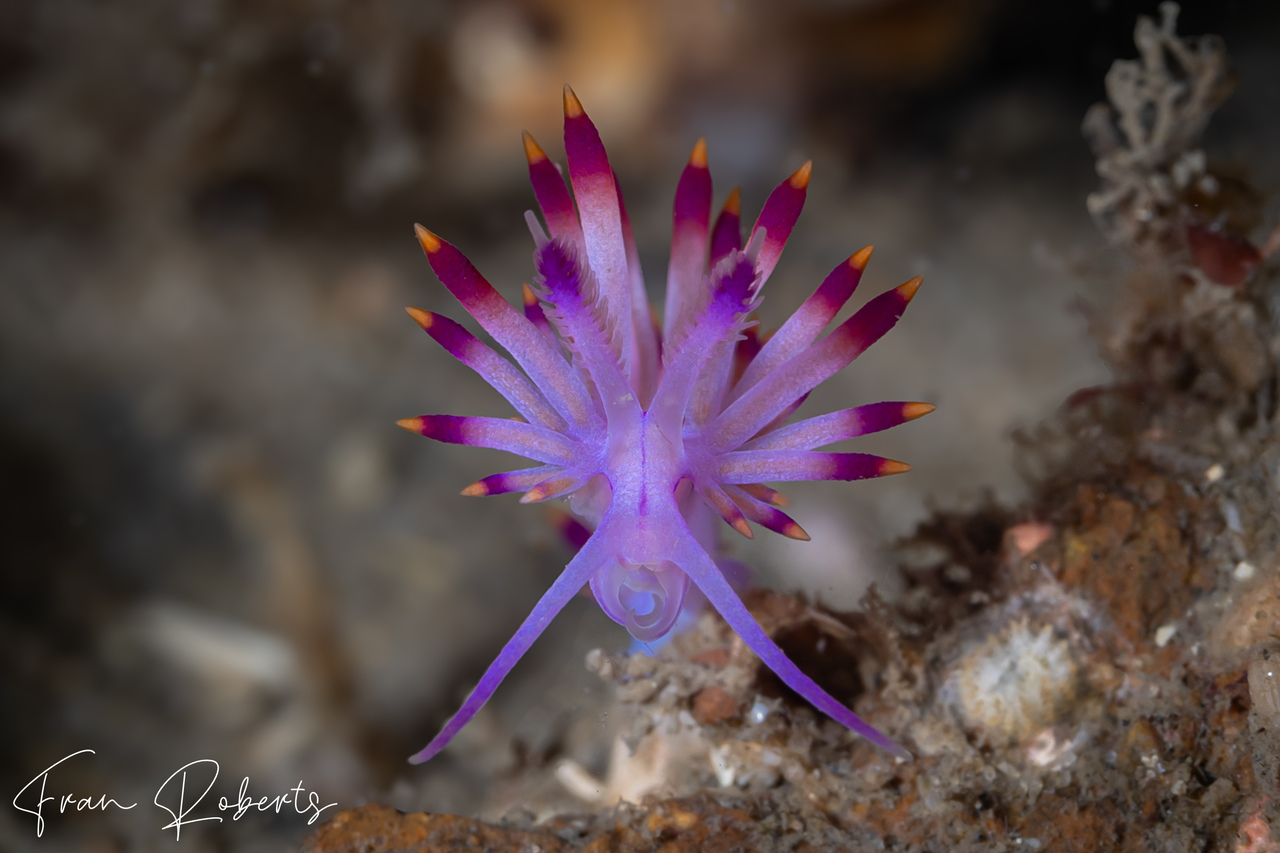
(216, 544)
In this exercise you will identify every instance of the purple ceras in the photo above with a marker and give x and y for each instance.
(653, 432)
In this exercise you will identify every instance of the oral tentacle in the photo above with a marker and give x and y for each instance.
(699, 566)
(566, 586)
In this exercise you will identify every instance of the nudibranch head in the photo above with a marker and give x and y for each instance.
(654, 431)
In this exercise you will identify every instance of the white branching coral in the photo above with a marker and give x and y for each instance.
(1147, 139)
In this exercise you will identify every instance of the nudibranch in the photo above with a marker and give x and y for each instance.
(654, 431)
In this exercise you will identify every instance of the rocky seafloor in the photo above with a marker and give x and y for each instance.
(1096, 668)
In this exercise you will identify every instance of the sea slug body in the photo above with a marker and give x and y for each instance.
(653, 432)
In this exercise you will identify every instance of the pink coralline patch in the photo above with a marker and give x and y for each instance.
(654, 430)
(1255, 834)
(1025, 538)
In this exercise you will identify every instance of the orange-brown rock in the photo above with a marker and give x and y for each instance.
(715, 705)
(382, 829)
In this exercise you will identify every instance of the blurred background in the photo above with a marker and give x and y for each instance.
(216, 543)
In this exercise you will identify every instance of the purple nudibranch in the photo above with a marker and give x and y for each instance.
(653, 432)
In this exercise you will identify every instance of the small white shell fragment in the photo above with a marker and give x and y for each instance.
(1214, 473)
(720, 766)
(758, 714)
(1164, 634)
(579, 782)
(1244, 571)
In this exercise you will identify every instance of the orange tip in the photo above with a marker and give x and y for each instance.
(908, 289)
(800, 177)
(699, 156)
(422, 318)
(430, 243)
(545, 489)
(795, 531)
(858, 260)
(532, 151)
(530, 298)
(733, 204)
(411, 424)
(911, 411)
(740, 524)
(572, 106)
(476, 490)
(892, 466)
